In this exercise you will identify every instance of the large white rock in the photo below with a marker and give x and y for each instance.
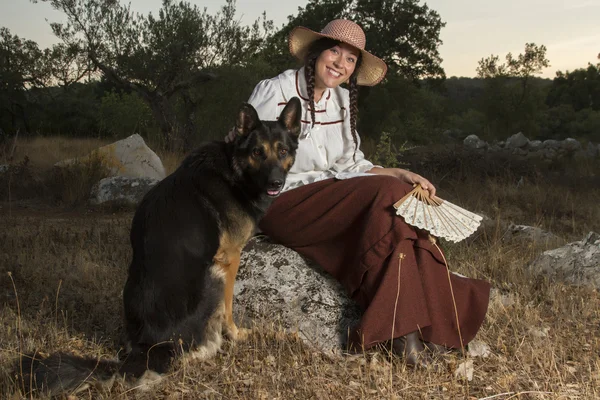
(576, 263)
(275, 283)
(128, 157)
(570, 145)
(121, 189)
(517, 140)
(473, 142)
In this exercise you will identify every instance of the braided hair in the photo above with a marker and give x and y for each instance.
(310, 62)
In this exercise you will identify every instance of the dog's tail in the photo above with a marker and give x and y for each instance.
(62, 373)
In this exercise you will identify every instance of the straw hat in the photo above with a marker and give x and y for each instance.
(372, 69)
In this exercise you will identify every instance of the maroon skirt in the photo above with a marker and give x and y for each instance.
(350, 228)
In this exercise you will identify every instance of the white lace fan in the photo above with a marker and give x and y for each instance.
(438, 217)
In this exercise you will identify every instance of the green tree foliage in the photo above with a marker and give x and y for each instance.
(514, 98)
(22, 69)
(404, 33)
(122, 114)
(161, 58)
(407, 112)
(574, 103)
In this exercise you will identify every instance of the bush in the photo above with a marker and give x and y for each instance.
(123, 114)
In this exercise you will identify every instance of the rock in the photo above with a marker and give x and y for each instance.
(576, 263)
(525, 232)
(591, 151)
(277, 284)
(535, 145)
(477, 348)
(465, 370)
(551, 144)
(473, 142)
(570, 145)
(550, 153)
(517, 140)
(121, 189)
(454, 134)
(128, 157)
(3, 168)
(520, 152)
(494, 148)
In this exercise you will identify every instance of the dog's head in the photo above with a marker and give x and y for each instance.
(265, 150)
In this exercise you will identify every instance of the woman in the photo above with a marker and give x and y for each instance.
(337, 206)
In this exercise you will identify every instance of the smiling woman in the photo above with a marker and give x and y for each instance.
(337, 207)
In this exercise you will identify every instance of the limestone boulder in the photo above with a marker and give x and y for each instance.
(121, 190)
(473, 142)
(129, 157)
(576, 263)
(516, 141)
(277, 284)
(570, 145)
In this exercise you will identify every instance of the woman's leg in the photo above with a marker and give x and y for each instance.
(350, 229)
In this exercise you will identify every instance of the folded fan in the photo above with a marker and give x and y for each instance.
(438, 217)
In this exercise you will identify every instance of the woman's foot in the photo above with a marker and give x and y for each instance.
(438, 349)
(411, 348)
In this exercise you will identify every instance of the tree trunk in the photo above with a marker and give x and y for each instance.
(160, 110)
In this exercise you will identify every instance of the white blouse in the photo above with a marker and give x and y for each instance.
(325, 150)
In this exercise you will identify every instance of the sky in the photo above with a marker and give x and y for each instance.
(474, 28)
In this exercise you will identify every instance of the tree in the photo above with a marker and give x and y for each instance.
(579, 88)
(22, 67)
(514, 99)
(403, 33)
(161, 58)
(67, 65)
(574, 103)
(524, 67)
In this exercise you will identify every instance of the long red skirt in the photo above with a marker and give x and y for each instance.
(350, 228)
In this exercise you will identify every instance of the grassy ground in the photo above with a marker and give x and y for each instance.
(63, 265)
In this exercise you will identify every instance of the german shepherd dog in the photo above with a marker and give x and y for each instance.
(187, 235)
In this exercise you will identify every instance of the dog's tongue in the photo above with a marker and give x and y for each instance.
(273, 192)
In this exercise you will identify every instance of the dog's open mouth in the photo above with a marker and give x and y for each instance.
(273, 192)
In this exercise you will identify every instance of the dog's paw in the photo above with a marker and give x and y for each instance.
(243, 334)
(236, 334)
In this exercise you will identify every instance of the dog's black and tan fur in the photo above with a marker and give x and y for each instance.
(187, 235)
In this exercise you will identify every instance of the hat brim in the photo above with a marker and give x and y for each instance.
(372, 69)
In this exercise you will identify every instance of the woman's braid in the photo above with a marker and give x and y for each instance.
(309, 73)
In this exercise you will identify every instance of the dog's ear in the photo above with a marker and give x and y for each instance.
(291, 115)
(247, 119)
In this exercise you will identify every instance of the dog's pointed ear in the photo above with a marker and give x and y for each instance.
(247, 119)
(291, 115)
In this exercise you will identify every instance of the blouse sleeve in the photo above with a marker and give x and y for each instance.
(264, 99)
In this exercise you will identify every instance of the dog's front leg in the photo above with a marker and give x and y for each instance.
(231, 330)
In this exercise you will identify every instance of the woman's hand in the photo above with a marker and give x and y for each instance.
(406, 176)
(412, 178)
(231, 135)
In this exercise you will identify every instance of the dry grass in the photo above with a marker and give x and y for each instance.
(69, 266)
(32, 175)
(44, 152)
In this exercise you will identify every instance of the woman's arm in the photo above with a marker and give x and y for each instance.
(405, 176)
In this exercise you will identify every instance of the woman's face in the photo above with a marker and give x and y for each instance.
(334, 66)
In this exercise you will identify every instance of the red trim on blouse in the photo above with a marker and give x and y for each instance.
(324, 123)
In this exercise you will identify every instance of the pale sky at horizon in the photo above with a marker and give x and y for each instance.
(474, 29)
